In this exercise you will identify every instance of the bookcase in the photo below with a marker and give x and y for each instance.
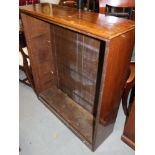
(80, 64)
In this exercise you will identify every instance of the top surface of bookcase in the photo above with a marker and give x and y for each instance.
(92, 24)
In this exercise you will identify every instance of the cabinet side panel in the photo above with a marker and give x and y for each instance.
(38, 38)
(114, 75)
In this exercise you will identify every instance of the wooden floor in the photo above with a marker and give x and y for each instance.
(76, 117)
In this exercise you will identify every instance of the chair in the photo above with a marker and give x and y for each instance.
(26, 2)
(50, 1)
(128, 103)
(119, 8)
(24, 65)
(69, 3)
(24, 62)
(129, 86)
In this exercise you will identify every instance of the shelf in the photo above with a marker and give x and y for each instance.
(72, 114)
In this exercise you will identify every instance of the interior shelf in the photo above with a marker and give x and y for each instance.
(72, 114)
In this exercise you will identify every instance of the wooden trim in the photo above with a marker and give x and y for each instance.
(84, 24)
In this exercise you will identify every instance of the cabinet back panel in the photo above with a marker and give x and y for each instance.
(77, 63)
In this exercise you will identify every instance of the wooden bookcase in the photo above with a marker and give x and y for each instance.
(80, 64)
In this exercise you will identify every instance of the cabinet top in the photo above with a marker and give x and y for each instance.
(92, 24)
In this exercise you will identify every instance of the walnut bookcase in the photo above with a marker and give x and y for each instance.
(80, 65)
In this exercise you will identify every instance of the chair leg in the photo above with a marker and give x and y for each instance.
(26, 68)
(24, 81)
(124, 100)
(129, 86)
(29, 76)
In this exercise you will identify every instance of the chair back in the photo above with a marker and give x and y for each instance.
(121, 3)
(50, 1)
(69, 3)
(120, 8)
(115, 3)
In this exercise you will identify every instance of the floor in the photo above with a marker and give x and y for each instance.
(41, 133)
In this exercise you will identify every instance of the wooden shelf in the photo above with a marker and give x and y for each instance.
(72, 114)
